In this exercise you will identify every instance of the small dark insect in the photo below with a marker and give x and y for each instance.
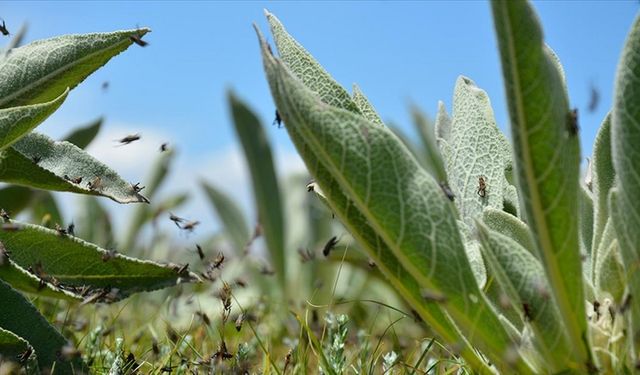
(110, 254)
(190, 226)
(154, 346)
(222, 353)
(241, 283)
(22, 357)
(71, 229)
(333, 241)
(265, 270)
(128, 139)
(4, 215)
(626, 303)
(95, 297)
(131, 364)
(76, 180)
(177, 220)
(594, 99)
(447, 190)
(482, 187)
(96, 184)
(596, 309)
(200, 252)
(572, 122)
(217, 263)
(164, 147)
(204, 317)
(180, 270)
(277, 120)
(3, 29)
(528, 313)
(137, 39)
(136, 187)
(36, 159)
(105, 85)
(239, 321)
(287, 360)
(61, 231)
(371, 263)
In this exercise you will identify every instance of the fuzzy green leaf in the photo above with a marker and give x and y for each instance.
(477, 149)
(15, 122)
(266, 190)
(510, 226)
(40, 71)
(585, 220)
(13, 348)
(523, 279)
(393, 199)
(83, 135)
(609, 273)
(37, 161)
(547, 155)
(21, 279)
(230, 215)
(625, 135)
(603, 176)
(307, 69)
(365, 107)
(21, 317)
(75, 263)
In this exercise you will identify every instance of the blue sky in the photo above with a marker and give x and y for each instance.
(398, 52)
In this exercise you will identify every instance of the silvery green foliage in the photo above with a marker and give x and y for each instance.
(34, 81)
(527, 265)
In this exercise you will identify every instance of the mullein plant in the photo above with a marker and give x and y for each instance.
(54, 263)
(499, 247)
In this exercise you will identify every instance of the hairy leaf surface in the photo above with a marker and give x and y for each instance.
(547, 155)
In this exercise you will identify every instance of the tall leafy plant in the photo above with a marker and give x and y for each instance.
(498, 247)
(34, 82)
